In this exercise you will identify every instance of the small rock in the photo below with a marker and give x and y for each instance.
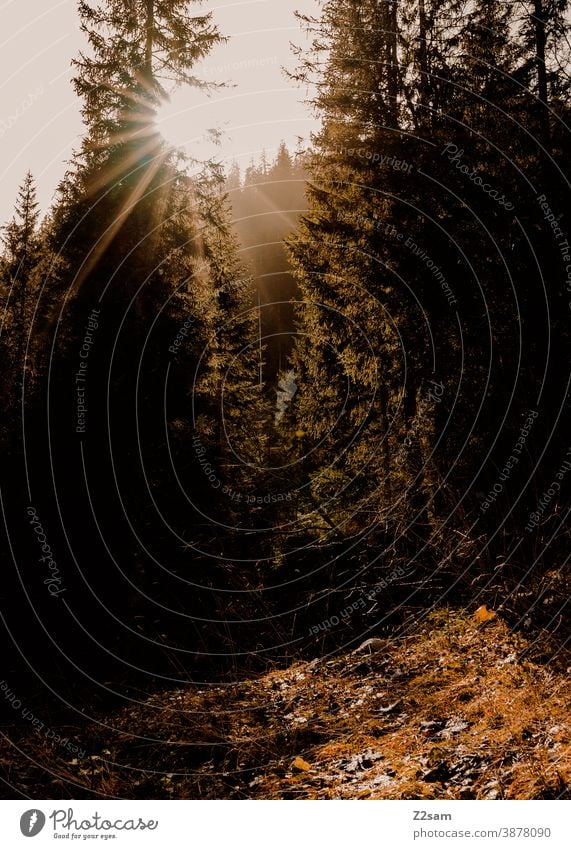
(390, 708)
(454, 726)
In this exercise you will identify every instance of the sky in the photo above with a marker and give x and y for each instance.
(40, 123)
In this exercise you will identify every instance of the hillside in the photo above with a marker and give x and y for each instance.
(456, 709)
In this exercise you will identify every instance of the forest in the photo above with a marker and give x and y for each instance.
(286, 454)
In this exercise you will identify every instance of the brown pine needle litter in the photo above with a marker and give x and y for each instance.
(454, 710)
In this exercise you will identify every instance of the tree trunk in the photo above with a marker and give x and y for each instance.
(539, 20)
(386, 450)
(391, 27)
(150, 25)
(424, 82)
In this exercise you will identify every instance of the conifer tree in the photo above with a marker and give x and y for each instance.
(148, 249)
(22, 246)
(138, 50)
(266, 209)
(20, 272)
(342, 260)
(421, 260)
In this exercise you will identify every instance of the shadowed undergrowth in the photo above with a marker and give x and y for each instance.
(455, 709)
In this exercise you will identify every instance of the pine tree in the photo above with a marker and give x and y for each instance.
(544, 34)
(20, 274)
(432, 264)
(266, 209)
(343, 260)
(153, 275)
(22, 246)
(139, 50)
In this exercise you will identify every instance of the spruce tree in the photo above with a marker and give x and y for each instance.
(139, 49)
(24, 268)
(341, 254)
(427, 262)
(152, 279)
(21, 253)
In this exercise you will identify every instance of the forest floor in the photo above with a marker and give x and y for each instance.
(459, 709)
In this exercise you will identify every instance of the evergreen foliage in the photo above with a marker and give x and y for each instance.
(426, 274)
(194, 464)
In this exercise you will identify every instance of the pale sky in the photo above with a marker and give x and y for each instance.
(40, 123)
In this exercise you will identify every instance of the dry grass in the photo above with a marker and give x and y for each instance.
(453, 711)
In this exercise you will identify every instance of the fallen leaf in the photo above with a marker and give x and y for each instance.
(301, 765)
(484, 615)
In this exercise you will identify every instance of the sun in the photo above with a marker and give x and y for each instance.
(187, 119)
(175, 121)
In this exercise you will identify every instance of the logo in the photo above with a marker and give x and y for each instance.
(32, 822)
